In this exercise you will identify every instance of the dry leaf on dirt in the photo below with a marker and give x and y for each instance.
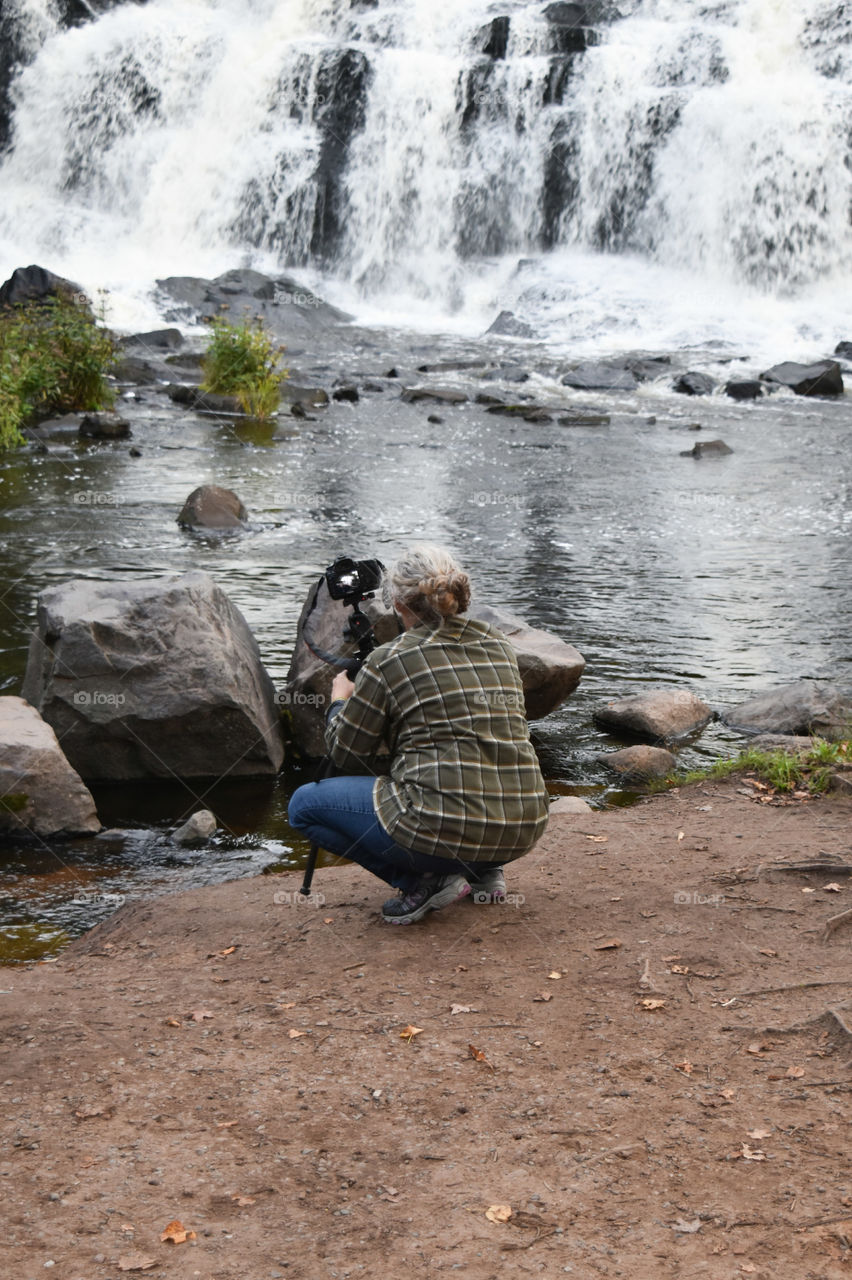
(757, 1134)
(543, 997)
(198, 1015)
(226, 1124)
(229, 951)
(296, 1035)
(679, 968)
(136, 1262)
(795, 1073)
(479, 1056)
(832, 888)
(328, 920)
(809, 891)
(650, 1004)
(686, 1067)
(611, 944)
(499, 1213)
(598, 839)
(242, 1201)
(554, 975)
(727, 1094)
(173, 1022)
(748, 1154)
(462, 1008)
(408, 1033)
(90, 1113)
(758, 1047)
(687, 1228)
(177, 1233)
(767, 951)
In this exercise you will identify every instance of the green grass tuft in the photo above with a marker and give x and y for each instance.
(241, 360)
(785, 771)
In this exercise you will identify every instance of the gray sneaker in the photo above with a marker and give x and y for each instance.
(490, 886)
(432, 893)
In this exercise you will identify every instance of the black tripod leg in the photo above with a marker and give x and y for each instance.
(309, 870)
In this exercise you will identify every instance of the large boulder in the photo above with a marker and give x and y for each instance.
(821, 379)
(694, 384)
(550, 669)
(35, 284)
(659, 715)
(212, 507)
(39, 791)
(153, 679)
(805, 708)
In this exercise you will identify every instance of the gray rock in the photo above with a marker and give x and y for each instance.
(569, 804)
(285, 306)
(346, 394)
(844, 349)
(582, 419)
(694, 384)
(40, 793)
(707, 449)
(155, 340)
(600, 377)
(211, 507)
(659, 715)
(195, 830)
(313, 397)
(507, 325)
(639, 763)
(807, 707)
(35, 284)
(745, 389)
(783, 742)
(821, 379)
(443, 395)
(104, 426)
(136, 370)
(550, 669)
(153, 679)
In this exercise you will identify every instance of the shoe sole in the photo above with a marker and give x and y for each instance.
(443, 898)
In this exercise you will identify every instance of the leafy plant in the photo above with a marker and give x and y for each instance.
(54, 358)
(243, 361)
(783, 770)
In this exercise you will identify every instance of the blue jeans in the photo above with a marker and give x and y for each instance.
(337, 814)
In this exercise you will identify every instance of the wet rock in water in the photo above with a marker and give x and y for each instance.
(307, 397)
(806, 707)
(507, 325)
(215, 402)
(572, 25)
(153, 679)
(35, 284)
(104, 426)
(569, 804)
(646, 368)
(844, 349)
(550, 669)
(158, 340)
(694, 384)
(707, 449)
(511, 373)
(659, 715)
(212, 507)
(182, 393)
(639, 763)
(285, 306)
(821, 379)
(200, 827)
(136, 370)
(40, 792)
(347, 394)
(600, 377)
(495, 38)
(745, 389)
(444, 395)
(581, 419)
(435, 419)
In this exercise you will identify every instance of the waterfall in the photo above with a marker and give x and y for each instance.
(408, 148)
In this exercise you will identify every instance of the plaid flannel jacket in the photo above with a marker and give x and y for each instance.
(448, 704)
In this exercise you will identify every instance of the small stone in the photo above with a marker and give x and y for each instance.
(198, 828)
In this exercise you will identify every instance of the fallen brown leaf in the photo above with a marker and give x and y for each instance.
(598, 839)
(543, 997)
(832, 888)
(757, 1134)
(680, 968)
(686, 1067)
(408, 1033)
(479, 1056)
(611, 944)
(176, 1233)
(242, 1201)
(795, 1073)
(198, 1015)
(650, 1004)
(229, 951)
(499, 1213)
(296, 1035)
(136, 1262)
(226, 1124)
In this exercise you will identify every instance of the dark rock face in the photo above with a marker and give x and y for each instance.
(572, 24)
(844, 349)
(496, 38)
(155, 340)
(152, 679)
(821, 379)
(745, 389)
(444, 395)
(286, 307)
(105, 426)
(600, 377)
(660, 715)
(694, 384)
(34, 284)
(707, 449)
(808, 707)
(212, 507)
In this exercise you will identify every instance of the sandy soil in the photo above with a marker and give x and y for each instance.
(639, 1060)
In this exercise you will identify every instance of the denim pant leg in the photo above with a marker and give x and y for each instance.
(337, 814)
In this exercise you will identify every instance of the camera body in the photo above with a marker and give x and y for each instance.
(353, 580)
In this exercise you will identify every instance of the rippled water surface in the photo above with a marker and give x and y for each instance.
(727, 575)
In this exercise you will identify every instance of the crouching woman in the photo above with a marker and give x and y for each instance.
(465, 793)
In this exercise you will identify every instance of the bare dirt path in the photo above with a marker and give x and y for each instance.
(233, 1060)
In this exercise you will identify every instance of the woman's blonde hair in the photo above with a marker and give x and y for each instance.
(429, 582)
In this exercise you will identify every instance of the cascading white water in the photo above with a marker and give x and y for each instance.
(415, 149)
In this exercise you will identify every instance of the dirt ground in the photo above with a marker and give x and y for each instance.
(637, 1056)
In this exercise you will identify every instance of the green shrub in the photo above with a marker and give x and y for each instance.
(242, 360)
(782, 770)
(54, 358)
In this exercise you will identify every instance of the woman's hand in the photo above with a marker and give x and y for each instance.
(342, 687)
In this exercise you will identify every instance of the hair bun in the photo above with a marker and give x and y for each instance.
(430, 583)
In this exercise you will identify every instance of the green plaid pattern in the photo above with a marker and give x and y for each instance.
(448, 704)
